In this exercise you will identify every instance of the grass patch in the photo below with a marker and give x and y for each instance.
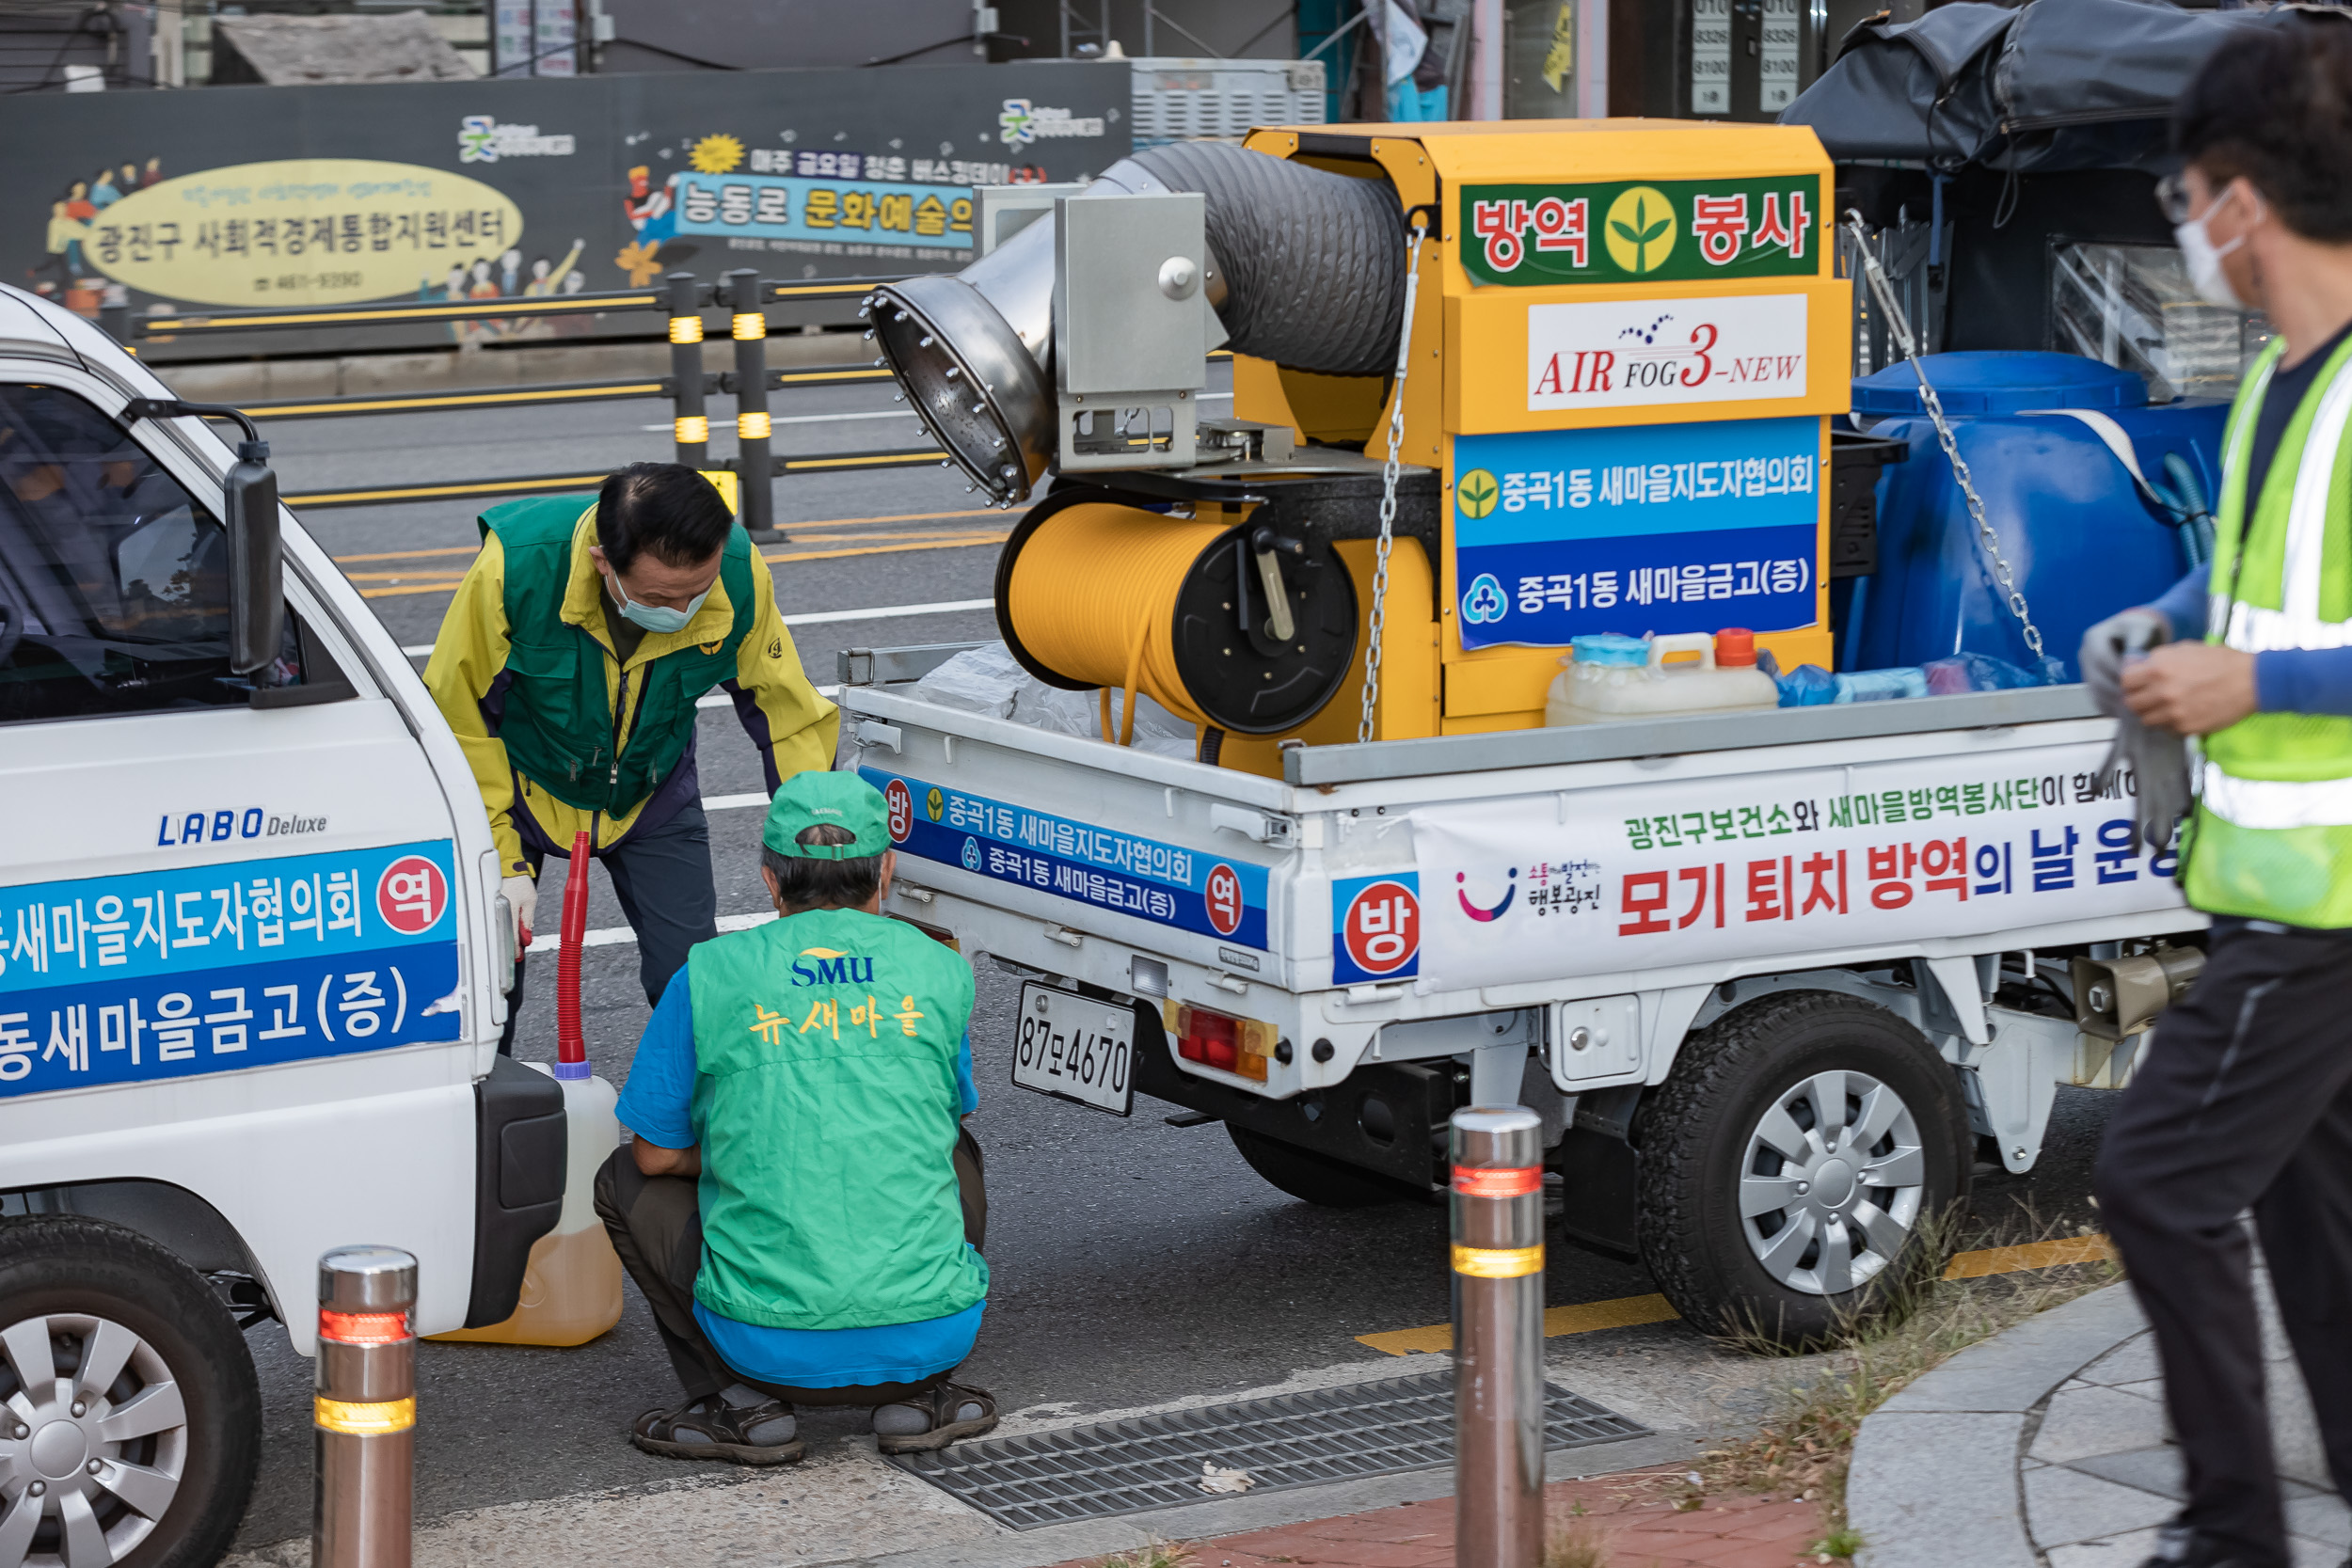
(1153, 1554)
(1579, 1544)
(1806, 1442)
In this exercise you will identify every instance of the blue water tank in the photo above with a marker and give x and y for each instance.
(2079, 538)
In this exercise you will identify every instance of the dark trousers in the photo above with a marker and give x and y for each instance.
(662, 880)
(656, 1226)
(2244, 1099)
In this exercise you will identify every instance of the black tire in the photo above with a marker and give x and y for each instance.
(1314, 1178)
(1700, 1138)
(62, 1269)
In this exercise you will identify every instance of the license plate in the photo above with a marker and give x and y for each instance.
(1075, 1047)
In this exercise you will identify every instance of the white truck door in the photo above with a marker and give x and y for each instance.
(230, 951)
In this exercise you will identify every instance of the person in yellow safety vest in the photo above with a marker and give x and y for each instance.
(570, 663)
(2244, 1094)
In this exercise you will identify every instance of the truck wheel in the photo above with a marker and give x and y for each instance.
(130, 1415)
(1788, 1161)
(1315, 1178)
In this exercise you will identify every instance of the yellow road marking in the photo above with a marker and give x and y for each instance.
(894, 550)
(555, 485)
(429, 312)
(1626, 1312)
(794, 378)
(447, 585)
(814, 522)
(451, 399)
(892, 541)
(870, 459)
(444, 585)
(411, 555)
(2032, 1254)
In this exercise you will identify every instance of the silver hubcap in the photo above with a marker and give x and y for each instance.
(93, 1442)
(1831, 1182)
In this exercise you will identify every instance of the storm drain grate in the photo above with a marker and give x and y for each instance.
(1290, 1440)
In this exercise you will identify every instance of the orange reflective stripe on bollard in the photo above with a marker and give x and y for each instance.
(1504, 1182)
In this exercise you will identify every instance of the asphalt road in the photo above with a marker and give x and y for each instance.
(1132, 1263)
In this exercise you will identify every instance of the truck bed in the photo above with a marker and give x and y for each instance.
(1409, 882)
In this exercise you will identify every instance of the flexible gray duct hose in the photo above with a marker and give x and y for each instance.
(1314, 262)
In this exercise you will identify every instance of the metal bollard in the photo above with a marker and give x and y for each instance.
(366, 1410)
(114, 314)
(1498, 1209)
(744, 295)
(691, 422)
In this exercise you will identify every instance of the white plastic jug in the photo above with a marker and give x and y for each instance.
(572, 1288)
(1601, 681)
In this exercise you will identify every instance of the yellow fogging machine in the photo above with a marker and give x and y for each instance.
(1394, 296)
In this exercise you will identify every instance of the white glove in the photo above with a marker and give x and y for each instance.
(522, 897)
(2113, 642)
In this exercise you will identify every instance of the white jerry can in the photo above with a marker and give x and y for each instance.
(572, 1286)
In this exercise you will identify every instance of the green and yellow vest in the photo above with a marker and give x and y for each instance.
(558, 726)
(825, 1093)
(2272, 835)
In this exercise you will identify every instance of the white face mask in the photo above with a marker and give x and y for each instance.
(2203, 258)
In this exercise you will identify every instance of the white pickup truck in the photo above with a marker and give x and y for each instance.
(1774, 980)
(251, 952)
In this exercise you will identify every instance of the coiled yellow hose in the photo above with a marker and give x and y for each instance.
(1092, 595)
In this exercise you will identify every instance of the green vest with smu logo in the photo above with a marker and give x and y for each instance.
(825, 1096)
(558, 726)
(2272, 835)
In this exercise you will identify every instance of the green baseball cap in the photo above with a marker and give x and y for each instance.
(840, 799)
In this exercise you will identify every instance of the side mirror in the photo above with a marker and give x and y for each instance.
(256, 600)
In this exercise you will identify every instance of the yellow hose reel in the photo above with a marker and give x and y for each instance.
(1225, 622)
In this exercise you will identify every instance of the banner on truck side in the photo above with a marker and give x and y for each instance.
(1727, 868)
(1124, 873)
(207, 969)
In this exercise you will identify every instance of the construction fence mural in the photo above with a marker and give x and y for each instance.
(276, 196)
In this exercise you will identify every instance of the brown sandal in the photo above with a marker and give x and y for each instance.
(722, 1431)
(940, 1403)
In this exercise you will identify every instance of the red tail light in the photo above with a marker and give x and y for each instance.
(1236, 1045)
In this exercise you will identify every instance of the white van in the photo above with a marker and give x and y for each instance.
(251, 962)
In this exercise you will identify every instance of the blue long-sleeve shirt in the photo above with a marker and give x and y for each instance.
(2286, 680)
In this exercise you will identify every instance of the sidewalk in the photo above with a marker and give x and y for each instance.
(2048, 1444)
(1641, 1518)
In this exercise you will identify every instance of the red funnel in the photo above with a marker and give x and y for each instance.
(571, 1048)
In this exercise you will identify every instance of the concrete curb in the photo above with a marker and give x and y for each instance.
(1934, 1482)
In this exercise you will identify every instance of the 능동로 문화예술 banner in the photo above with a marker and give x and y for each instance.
(499, 189)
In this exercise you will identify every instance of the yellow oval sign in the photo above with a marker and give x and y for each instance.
(306, 232)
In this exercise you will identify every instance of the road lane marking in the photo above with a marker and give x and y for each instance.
(959, 542)
(824, 617)
(1622, 1313)
(810, 419)
(813, 522)
(621, 936)
(889, 413)
(720, 699)
(2032, 1254)
(1626, 1312)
